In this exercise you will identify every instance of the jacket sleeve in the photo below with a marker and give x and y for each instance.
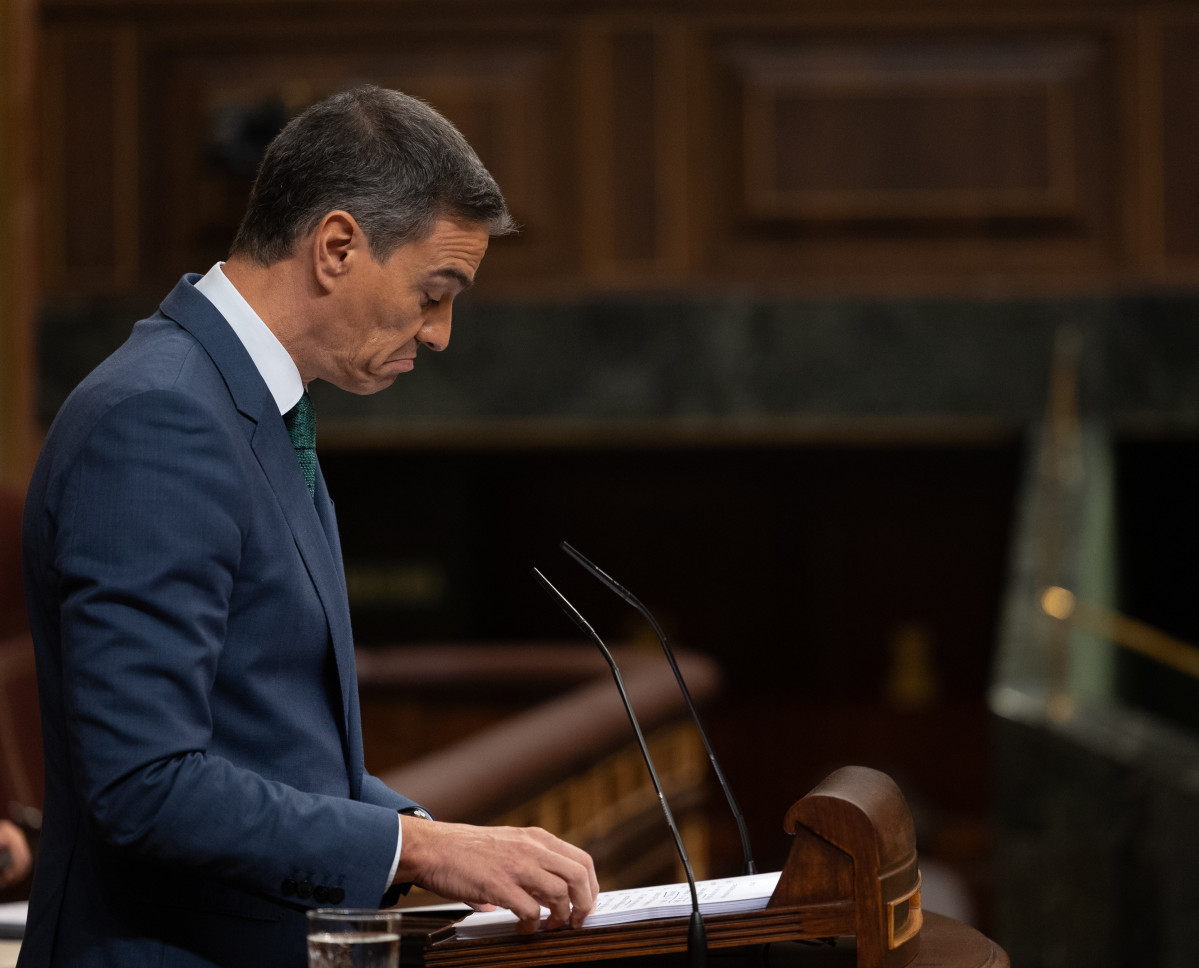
(149, 526)
(375, 790)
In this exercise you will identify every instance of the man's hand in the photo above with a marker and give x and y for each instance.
(13, 841)
(518, 868)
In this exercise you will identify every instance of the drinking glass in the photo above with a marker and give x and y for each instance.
(353, 938)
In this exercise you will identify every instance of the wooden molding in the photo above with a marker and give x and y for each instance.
(634, 70)
(19, 226)
(876, 132)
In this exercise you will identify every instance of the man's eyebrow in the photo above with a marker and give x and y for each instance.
(464, 281)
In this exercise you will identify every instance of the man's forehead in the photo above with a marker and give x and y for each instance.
(452, 250)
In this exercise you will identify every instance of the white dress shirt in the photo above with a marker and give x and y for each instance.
(274, 363)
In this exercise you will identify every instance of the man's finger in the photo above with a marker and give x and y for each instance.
(528, 915)
(579, 886)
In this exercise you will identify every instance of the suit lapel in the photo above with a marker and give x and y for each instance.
(314, 531)
(315, 534)
(346, 664)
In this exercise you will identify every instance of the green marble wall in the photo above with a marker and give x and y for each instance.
(675, 357)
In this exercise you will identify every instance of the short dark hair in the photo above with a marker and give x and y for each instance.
(387, 158)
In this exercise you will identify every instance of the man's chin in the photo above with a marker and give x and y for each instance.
(379, 383)
(366, 386)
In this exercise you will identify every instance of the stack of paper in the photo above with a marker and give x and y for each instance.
(727, 895)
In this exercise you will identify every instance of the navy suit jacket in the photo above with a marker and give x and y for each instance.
(204, 769)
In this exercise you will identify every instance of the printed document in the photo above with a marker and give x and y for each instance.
(726, 895)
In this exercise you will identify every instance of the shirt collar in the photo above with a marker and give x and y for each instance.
(274, 363)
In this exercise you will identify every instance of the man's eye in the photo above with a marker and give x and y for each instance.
(430, 301)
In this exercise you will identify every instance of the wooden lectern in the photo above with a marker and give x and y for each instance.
(854, 860)
(851, 871)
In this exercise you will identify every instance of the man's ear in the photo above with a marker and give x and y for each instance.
(337, 244)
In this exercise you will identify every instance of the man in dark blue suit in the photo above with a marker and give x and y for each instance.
(205, 782)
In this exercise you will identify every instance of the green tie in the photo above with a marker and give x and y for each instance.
(301, 425)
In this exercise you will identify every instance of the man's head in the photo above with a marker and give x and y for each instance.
(388, 159)
(369, 216)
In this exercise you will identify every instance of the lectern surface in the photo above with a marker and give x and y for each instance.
(944, 943)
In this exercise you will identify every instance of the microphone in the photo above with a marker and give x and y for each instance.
(697, 937)
(620, 590)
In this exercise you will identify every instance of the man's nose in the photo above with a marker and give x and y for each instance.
(435, 333)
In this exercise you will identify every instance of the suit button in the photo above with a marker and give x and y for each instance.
(289, 886)
(336, 895)
(320, 894)
(305, 889)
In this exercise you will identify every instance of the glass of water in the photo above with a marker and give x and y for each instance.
(353, 938)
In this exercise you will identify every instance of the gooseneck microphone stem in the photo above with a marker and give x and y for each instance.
(697, 940)
(629, 597)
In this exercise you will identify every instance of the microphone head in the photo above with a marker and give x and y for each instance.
(574, 614)
(599, 573)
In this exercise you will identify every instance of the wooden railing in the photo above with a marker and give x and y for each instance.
(550, 745)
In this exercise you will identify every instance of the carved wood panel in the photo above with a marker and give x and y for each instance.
(1176, 42)
(91, 164)
(632, 178)
(941, 132)
(898, 152)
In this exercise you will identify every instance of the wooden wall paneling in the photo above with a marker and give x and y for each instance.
(1139, 148)
(19, 229)
(634, 168)
(1175, 40)
(833, 133)
(91, 171)
(223, 94)
(1125, 136)
(127, 158)
(52, 146)
(779, 146)
(1146, 132)
(894, 152)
